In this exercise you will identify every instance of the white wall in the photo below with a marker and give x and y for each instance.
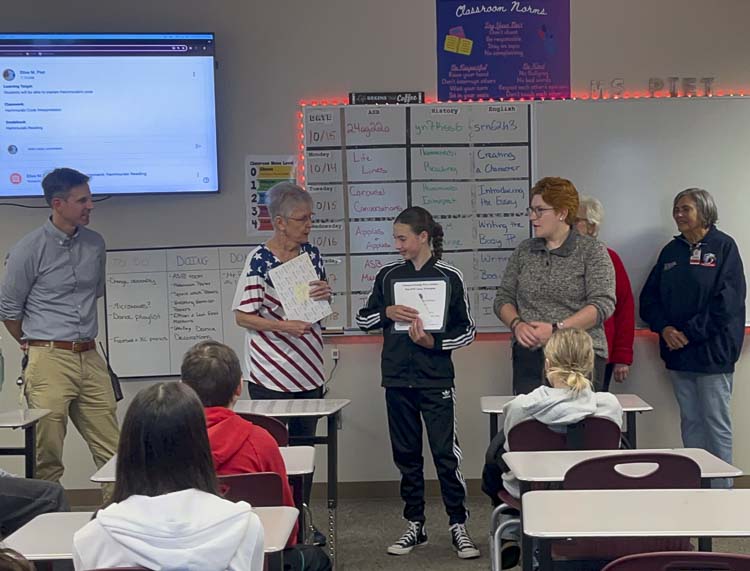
(271, 55)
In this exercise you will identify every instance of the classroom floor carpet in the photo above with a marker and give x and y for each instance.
(367, 527)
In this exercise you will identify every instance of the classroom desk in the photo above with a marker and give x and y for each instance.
(631, 404)
(278, 523)
(550, 467)
(550, 515)
(298, 408)
(27, 420)
(49, 537)
(299, 461)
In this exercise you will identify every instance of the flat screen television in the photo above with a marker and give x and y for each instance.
(136, 112)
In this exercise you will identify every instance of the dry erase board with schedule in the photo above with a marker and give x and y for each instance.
(470, 165)
(159, 302)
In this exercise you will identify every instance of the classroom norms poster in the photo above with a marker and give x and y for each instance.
(503, 49)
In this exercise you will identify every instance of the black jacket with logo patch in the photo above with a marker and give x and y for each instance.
(701, 292)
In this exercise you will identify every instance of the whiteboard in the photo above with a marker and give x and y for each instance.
(467, 163)
(636, 155)
(161, 302)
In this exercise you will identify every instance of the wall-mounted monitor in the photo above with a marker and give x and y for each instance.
(136, 112)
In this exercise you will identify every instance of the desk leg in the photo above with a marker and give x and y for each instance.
(493, 425)
(545, 555)
(705, 543)
(275, 561)
(333, 427)
(298, 484)
(630, 433)
(527, 543)
(30, 436)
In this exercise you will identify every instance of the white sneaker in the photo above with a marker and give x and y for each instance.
(414, 536)
(462, 543)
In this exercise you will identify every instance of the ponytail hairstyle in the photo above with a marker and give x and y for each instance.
(420, 220)
(569, 355)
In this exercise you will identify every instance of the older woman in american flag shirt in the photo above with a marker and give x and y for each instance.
(283, 358)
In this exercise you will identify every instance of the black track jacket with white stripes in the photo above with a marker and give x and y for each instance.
(403, 362)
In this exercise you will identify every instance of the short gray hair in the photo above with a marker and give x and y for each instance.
(283, 197)
(704, 204)
(593, 211)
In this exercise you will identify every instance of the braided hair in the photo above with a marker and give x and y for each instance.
(420, 220)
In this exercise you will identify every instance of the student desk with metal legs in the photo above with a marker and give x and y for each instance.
(49, 537)
(550, 467)
(560, 514)
(298, 460)
(300, 408)
(26, 419)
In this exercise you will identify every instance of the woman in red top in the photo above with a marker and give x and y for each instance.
(619, 328)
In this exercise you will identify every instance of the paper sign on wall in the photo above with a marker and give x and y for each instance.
(261, 173)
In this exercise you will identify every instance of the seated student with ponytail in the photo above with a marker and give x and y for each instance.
(569, 398)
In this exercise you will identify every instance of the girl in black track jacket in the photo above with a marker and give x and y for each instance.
(418, 376)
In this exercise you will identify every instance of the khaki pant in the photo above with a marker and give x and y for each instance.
(75, 385)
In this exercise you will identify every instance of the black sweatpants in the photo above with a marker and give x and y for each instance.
(406, 410)
(528, 369)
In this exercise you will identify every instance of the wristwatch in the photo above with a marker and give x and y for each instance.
(557, 325)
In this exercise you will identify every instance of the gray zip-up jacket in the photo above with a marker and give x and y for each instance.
(551, 285)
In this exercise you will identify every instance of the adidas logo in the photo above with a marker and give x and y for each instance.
(446, 394)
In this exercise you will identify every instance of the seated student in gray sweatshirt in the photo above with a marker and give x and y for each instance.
(568, 366)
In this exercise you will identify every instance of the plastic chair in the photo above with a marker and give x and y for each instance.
(680, 561)
(670, 471)
(601, 473)
(274, 426)
(592, 433)
(260, 489)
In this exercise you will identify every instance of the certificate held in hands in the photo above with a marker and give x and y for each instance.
(428, 297)
(291, 280)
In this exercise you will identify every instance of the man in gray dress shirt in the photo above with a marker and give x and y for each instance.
(48, 303)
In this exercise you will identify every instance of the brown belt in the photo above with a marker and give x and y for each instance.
(75, 346)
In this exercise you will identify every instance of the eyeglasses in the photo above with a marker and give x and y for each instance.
(302, 219)
(537, 210)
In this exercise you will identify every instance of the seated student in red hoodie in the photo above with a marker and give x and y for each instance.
(213, 371)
